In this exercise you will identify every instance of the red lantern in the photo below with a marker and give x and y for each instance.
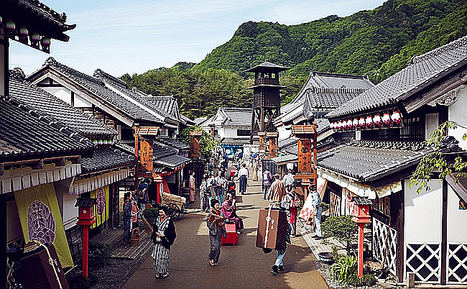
(386, 119)
(377, 120)
(23, 32)
(340, 125)
(369, 121)
(35, 38)
(348, 124)
(10, 26)
(361, 122)
(331, 125)
(396, 117)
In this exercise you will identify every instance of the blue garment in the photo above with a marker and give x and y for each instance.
(243, 181)
(280, 258)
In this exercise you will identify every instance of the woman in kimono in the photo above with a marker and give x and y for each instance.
(230, 213)
(163, 235)
(192, 186)
(216, 226)
(204, 194)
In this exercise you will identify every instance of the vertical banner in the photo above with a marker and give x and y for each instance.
(101, 209)
(147, 154)
(40, 219)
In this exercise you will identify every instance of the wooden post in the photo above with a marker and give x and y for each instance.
(85, 250)
(360, 249)
(3, 244)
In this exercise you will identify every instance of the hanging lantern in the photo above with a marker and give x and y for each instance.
(341, 125)
(23, 32)
(45, 42)
(332, 125)
(349, 124)
(10, 26)
(369, 121)
(377, 120)
(355, 123)
(396, 117)
(386, 119)
(1, 20)
(361, 122)
(35, 38)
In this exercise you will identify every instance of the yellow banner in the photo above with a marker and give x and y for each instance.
(101, 209)
(41, 220)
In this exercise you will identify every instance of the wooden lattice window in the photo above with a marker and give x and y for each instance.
(424, 260)
(385, 244)
(457, 263)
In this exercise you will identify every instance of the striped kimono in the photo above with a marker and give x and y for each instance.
(161, 251)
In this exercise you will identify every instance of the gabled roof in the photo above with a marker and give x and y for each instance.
(141, 100)
(235, 116)
(106, 157)
(267, 66)
(26, 134)
(46, 104)
(97, 88)
(173, 143)
(421, 72)
(323, 92)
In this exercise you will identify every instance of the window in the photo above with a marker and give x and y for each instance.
(243, 132)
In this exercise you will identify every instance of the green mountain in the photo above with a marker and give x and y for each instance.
(376, 43)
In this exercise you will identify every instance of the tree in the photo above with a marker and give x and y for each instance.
(441, 160)
(342, 229)
(207, 143)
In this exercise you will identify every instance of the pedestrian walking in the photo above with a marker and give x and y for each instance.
(316, 202)
(290, 202)
(163, 235)
(192, 186)
(279, 263)
(267, 181)
(204, 194)
(243, 177)
(216, 226)
(219, 187)
(277, 190)
(126, 217)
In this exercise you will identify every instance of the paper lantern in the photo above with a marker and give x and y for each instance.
(361, 122)
(377, 120)
(369, 121)
(396, 117)
(355, 123)
(386, 119)
(348, 124)
(10, 26)
(23, 32)
(35, 37)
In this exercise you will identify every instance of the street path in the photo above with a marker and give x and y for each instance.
(242, 266)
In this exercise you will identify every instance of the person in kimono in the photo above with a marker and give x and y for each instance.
(204, 194)
(127, 205)
(216, 226)
(267, 181)
(163, 235)
(229, 210)
(279, 263)
(192, 186)
(316, 202)
(290, 202)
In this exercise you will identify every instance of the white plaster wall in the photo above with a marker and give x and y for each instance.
(457, 219)
(13, 224)
(457, 112)
(70, 212)
(423, 213)
(431, 123)
(284, 133)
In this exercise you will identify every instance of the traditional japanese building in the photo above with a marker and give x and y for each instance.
(420, 233)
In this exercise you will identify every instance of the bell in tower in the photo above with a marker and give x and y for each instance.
(266, 105)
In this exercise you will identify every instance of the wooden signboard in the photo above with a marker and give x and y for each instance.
(147, 154)
(304, 155)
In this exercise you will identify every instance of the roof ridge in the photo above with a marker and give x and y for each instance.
(353, 76)
(99, 73)
(437, 51)
(54, 63)
(335, 89)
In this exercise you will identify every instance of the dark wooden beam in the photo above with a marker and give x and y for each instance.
(3, 242)
(444, 233)
(2, 169)
(38, 165)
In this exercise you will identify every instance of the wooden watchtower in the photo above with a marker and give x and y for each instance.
(266, 105)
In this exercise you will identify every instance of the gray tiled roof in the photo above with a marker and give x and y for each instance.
(122, 87)
(166, 103)
(268, 66)
(329, 98)
(26, 134)
(421, 72)
(237, 115)
(161, 151)
(173, 143)
(172, 161)
(371, 160)
(106, 157)
(97, 87)
(46, 104)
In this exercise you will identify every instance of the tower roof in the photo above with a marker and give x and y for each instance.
(267, 66)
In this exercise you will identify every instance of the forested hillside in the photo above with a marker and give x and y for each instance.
(377, 43)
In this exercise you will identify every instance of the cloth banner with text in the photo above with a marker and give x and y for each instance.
(101, 208)
(308, 210)
(41, 220)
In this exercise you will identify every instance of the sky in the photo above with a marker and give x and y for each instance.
(121, 36)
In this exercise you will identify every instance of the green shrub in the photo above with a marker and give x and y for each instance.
(344, 270)
(366, 280)
(341, 228)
